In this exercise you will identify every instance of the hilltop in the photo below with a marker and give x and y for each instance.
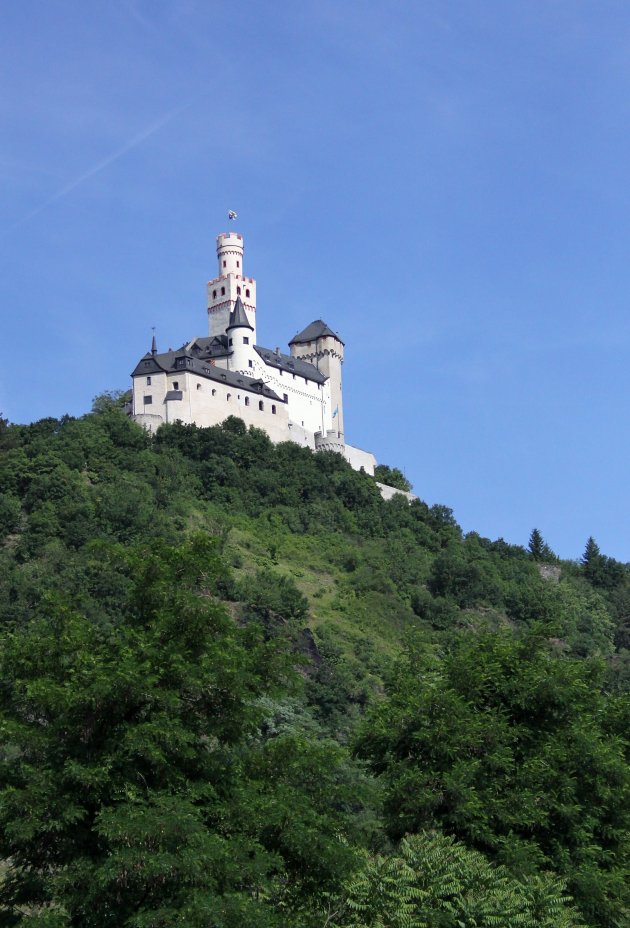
(202, 626)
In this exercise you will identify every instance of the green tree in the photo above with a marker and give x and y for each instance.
(507, 748)
(538, 547)
(436, 881)
(134, 790)
(392, 476)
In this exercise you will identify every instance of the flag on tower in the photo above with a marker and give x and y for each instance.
(336, 410)
(232, 214)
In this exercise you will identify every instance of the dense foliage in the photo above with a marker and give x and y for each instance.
(239, 688)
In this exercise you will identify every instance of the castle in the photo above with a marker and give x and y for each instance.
(292, 397)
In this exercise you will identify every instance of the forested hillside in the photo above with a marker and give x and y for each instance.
(238, 689)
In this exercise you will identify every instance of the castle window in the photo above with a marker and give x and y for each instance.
(231, 342)
(214, 294)
(225, 264)
(148, 400)
(228, 397)
(238, 263)
(222, 291)
(147, 363)
(245, 339)
(214, 392)
(261, 405)
(273, 410)
(199, 386)
(176, 385)
(148, 381)
(247, 292)
(247, 401)
(238, 289)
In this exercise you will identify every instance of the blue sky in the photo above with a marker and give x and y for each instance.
(447, 184)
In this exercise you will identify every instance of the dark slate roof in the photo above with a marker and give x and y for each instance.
(214, 346)
(285, 362)
(238, 317)
(182, 360)
(317, 329)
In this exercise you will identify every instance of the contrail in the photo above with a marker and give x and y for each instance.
(101, 165)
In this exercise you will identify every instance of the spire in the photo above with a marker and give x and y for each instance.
(153, 343)
(238, 317)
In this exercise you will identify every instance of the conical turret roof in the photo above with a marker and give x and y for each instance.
(238, 317)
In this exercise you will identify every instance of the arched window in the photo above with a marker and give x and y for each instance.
(214, 392)
(247, 401)
(273, 410)
(247, 292)
(214, 294)
(238, 289)
(261, 405)
(222, 291)
(199, 386)
(228, 397)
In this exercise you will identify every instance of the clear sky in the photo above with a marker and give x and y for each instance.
(445, 182)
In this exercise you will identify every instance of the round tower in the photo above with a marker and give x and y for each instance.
(240, 341)
(230, 254)
(229, 284)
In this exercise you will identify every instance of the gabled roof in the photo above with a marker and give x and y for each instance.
(207, 344)
(285, 362)
(183, 361)
(238, 317)
(317, 329)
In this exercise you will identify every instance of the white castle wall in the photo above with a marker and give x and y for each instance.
(388, 492)
(360, 460)
(205, 403)
(308, 402)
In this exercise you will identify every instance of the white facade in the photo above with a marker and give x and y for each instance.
(293, 397)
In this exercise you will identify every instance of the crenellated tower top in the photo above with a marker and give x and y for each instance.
(229, 285)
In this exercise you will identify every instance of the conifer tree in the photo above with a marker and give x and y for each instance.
(536, 545)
